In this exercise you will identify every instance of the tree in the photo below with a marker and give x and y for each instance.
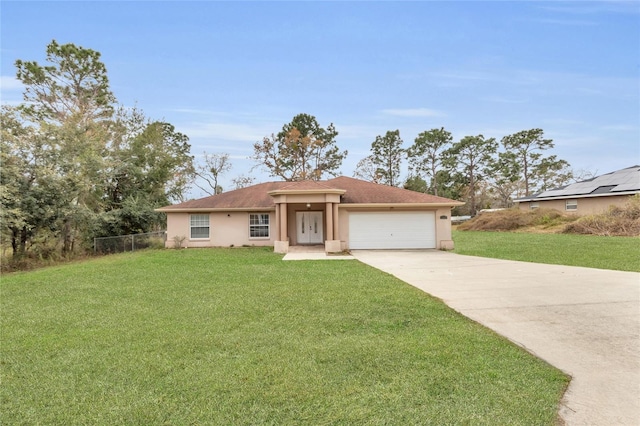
(151, 166)
(242, 181)
(552, 173)
(301, 151)
(70, 101)
(213, 166)
(74, 85)
(29, 185)
(416, 183)
(472, 156)
(367, 170)
(425, 155)
(526, 147)
(73, 165)
(386, 155)
(505, 184)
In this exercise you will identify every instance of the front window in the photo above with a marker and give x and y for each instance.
(199, 225)
(534, 206)
(259, 225)
(571, 205)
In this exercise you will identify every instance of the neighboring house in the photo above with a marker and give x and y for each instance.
(341, 213)
(590, 196)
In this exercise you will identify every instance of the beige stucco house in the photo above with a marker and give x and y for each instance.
(341, 213)
(590, 196)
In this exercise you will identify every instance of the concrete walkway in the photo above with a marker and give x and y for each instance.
(583, 321)
(315, 252)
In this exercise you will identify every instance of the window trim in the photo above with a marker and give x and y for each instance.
(533, 206)
(260, 226)
(193, 226)
(571, 205)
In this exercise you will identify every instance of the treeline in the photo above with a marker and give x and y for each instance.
(481, 171)
(76, 165)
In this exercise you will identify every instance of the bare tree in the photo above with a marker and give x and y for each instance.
(212, 168)
(367, 170)
(242, 181)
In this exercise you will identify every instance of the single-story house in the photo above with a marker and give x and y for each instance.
(589, 196)
(341, 213)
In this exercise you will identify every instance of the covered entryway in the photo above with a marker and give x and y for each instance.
(309, 227)
(392, 230)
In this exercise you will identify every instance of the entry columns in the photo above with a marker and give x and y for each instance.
(329, 211)
(336, 222)
(283, 222)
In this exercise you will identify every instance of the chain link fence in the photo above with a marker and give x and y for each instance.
(122, 243)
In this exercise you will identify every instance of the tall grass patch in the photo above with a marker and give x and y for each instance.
(236, 336)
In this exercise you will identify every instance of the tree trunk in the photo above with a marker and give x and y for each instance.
(14, 241)
(23, 240)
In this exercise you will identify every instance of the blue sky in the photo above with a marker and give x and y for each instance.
(229, 73)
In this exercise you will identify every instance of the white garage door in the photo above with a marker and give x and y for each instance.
(392, 230)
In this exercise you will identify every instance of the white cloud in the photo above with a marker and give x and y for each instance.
(503, 100)
(567, 22)
(10, 84)
(10, 90)
(413, 112)
(593, 8)
(219, 131)
(621, 128)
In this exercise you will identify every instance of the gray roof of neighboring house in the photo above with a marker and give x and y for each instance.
(620, 182)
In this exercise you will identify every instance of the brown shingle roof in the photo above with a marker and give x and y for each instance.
(357, 192)
(363, 192)
(249, 197)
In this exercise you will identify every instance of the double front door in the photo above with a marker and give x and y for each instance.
(309, 226)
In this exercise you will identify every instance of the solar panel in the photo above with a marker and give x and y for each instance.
(621, 180)
(627, 187)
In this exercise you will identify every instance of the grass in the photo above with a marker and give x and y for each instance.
(236, 336)
(618, 253)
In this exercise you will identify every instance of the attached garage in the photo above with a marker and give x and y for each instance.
(392, 230)
(342, 213)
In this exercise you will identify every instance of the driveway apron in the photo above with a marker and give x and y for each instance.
(583, 321)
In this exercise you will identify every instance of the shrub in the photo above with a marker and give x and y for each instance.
(178, 240)
(514, 219)
(617, 221)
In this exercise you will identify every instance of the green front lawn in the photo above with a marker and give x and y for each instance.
(619, 253)
(236, 336)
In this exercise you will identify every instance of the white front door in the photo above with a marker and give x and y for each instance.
(309, 226)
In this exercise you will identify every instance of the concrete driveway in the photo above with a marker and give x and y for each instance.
(583, 321)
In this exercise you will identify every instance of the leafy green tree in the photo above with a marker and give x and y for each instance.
(387, 154)
(303, 150)
(30, 186)
(505, 183)
(425, 155)
(472, 157)
(526, 149)
(69, 99)
(71, 167)
(151, 166)
(416, 183)
(553, 172)
(74, 86)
